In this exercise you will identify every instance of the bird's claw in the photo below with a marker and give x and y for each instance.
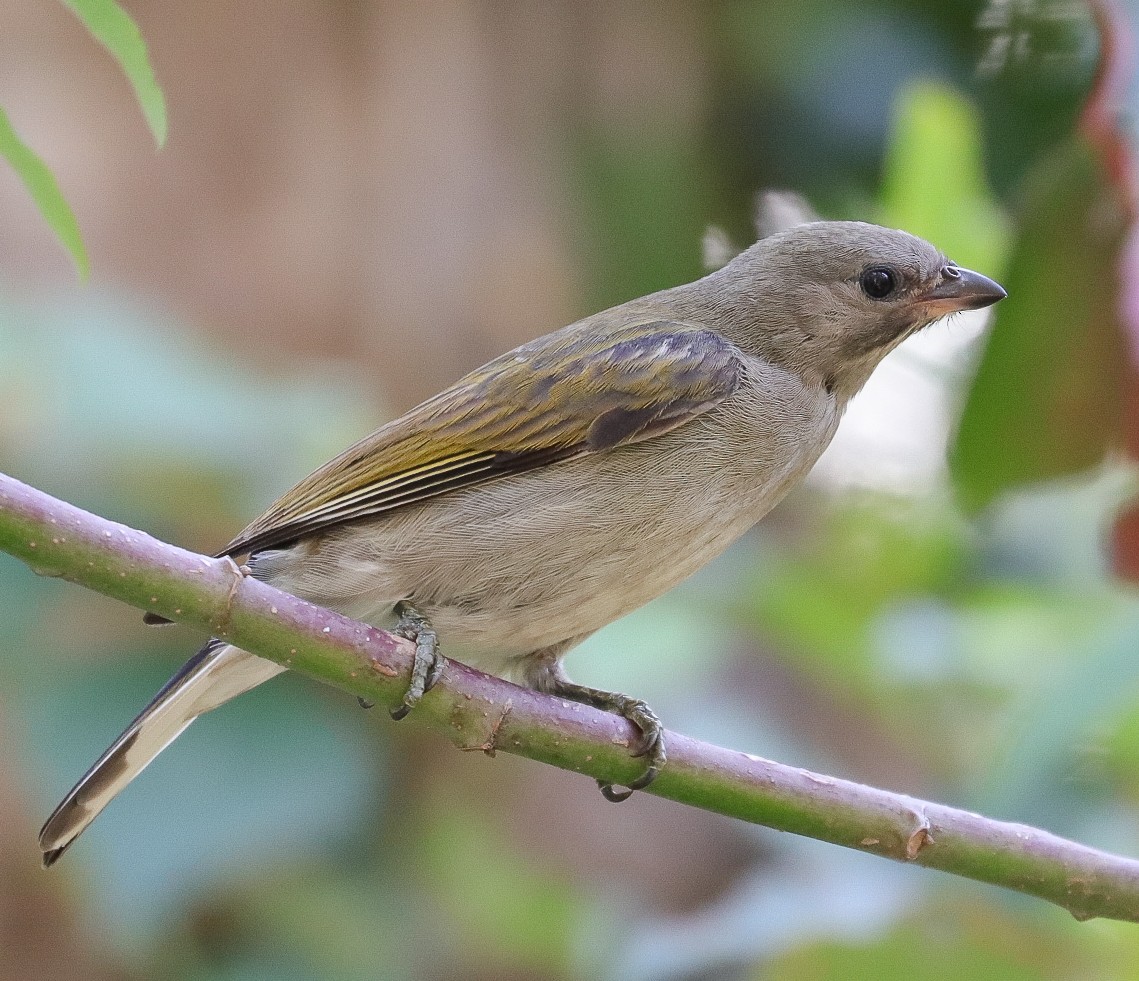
(650, 746)
(428, 664)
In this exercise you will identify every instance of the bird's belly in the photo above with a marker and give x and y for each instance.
(533, 560)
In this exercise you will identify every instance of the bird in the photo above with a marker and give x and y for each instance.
(572, 479)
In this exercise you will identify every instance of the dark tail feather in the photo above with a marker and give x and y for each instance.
(217, 673)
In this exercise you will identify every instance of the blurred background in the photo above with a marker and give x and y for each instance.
(360, 201)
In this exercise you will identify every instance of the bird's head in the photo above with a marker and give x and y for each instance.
(830, 299)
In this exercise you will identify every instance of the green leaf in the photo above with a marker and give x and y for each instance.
(1047, 400)
(114, 28)
(45, 192)
(934, 181)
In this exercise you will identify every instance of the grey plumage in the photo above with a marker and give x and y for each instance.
(579, 476)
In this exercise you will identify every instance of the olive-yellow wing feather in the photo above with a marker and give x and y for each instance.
(562, 396)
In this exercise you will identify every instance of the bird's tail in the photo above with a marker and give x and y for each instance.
(217, 673)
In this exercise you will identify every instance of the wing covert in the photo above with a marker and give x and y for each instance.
(564, 395)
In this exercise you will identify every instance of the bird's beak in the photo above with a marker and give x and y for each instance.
(960, 289)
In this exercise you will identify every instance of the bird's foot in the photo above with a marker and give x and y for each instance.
(650, 745)
(428, 663)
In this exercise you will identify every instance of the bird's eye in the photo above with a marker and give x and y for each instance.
(878, 283)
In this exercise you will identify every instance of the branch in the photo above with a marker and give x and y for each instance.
(479, 712)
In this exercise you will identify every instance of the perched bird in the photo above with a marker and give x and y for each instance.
(574, 478)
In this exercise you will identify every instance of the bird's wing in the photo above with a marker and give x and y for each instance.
(565, 395)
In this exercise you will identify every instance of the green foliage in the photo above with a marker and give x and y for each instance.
(985, 945)
(933, 180)
(822, 601)
(1047, 400)
(987, 661)
(490, 892)
(42, 186)
(116, 30)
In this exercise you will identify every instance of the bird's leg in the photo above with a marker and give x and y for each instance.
(546, 675)
(428, 663)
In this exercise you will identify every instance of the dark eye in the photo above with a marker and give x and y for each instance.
(879, 282)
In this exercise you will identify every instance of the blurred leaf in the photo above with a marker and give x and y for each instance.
(45, 192)
(114, 28)
(823, 601)
(1120, 745)
(818, 79)
(934, 182)
(337, 921)
(1047, 400)
(1125, 544)
(505, 907)
(1009, 629)
(1041, 775)
(979, 943)
(1054, 532)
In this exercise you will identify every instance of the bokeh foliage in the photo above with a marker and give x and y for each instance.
(962, 638)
